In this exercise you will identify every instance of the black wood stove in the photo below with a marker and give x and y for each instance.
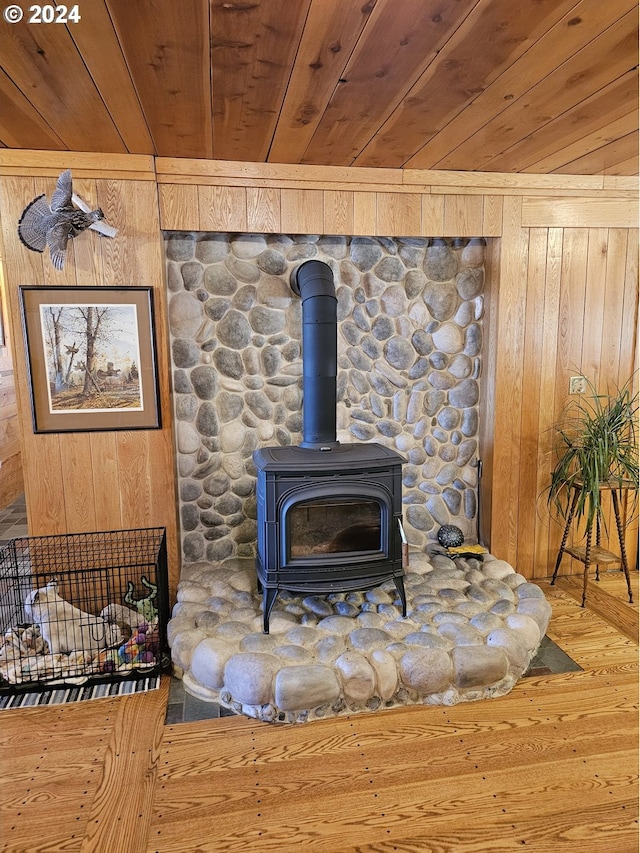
(329, 515)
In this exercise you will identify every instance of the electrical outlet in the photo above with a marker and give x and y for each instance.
(577, 385)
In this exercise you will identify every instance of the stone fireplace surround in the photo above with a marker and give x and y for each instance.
(409, 358)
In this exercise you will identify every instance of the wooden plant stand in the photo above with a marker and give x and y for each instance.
(589, 553)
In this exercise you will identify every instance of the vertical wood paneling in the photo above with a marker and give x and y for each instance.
(571, 324)
(302, 211)
(433, 215)
(399, 214)
(610, 359)
(364, 213)
(546, 532)
(179, 207)
(136, 468)
(570, 334)
(46, 507)
(492, 216)
(463, 215)
(532, 368)
(263, 210)
(572, 305)
(159, 498)
(629, 335)
(45, 512)
(594, 299)
(107, 502)
(508, 381)
(77, 483)
(487, 387)
(629, 327)
(222, 208)
(338, 212)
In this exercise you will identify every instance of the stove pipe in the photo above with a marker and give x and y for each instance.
(313, 282)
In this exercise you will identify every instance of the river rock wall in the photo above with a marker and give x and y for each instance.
(409, 359)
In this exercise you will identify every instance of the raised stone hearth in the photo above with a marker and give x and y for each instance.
(472, 627)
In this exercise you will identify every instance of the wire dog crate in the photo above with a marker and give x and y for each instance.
(82, 607)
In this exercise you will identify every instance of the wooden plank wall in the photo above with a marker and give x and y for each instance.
(562, 292)
(11, 481)
(561, 296)
(93, 481)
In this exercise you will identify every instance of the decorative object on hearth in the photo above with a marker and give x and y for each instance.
(450, 536)
(468, 550)
(597, 454)
(53, 225)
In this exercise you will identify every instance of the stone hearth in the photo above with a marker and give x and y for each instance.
(472, 627)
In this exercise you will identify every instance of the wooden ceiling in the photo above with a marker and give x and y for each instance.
(546, 86)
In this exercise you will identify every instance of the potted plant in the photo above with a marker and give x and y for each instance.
(598, 445)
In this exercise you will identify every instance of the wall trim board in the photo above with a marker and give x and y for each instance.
(595, 212)
(122, 167)
(169, 169)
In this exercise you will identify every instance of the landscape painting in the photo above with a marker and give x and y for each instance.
(91, 355)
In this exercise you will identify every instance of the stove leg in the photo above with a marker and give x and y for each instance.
(399, 582)
(268, 599)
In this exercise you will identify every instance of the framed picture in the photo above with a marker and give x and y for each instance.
(91, 358)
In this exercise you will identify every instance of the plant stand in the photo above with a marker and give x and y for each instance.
(589, 554)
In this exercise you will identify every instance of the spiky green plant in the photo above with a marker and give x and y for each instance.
(597, 443)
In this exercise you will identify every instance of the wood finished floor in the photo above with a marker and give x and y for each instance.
(550, 767)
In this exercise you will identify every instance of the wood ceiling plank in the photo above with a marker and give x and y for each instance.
(98, 45)
(609, 133)
(43, 61)
(331, 31)
(391, 54)
(253, 46)
(561, 38)
(602, 158)
(625, 168)
(166, 47)
(595, 115)
(490, 38)
(598, 64)
(20, 121)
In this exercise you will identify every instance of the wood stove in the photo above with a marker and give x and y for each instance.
(329, 515)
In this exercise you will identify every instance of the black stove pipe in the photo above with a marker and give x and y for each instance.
(313, 282)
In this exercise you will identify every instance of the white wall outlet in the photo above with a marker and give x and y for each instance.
(577, 385)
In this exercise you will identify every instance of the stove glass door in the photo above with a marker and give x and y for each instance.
(336, 525)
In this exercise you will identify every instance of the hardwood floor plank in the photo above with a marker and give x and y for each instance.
(613, 609)
(119, 818)
(491, 799)
(51, 759)
(397, 763)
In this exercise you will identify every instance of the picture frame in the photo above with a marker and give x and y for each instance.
(91, 358)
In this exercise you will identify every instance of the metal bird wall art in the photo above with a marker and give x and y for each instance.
(53, 225)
